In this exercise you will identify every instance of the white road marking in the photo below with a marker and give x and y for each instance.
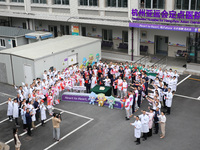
(184, 79)
(198, 98)
(62, 111)
(31, 129)
(68, 134)
(186, 97)
(5, 94)
(3, 103)
(73, 113)
(4, 120)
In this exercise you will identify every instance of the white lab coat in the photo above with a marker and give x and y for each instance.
(169, 97)
(138, 126)
(15, 110)
(33, 110)
(145, 123)
(43, 112)
(10, 108)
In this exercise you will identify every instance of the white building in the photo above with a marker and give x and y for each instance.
(110, 21)
(28, 62)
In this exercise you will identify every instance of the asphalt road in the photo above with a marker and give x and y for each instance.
(109, 130)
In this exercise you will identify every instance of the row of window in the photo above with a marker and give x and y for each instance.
(149, 4)
(179, 4)
(109, 3)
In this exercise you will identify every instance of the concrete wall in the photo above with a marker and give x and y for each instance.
(21, 41)
(4, 58)
(18, 68)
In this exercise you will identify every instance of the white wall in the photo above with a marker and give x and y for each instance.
(174, 36)
(18, 67)
(4, 58)
(57, 60)
(21, 41)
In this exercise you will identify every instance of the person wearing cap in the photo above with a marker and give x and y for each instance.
(42, 112)
(137, 131)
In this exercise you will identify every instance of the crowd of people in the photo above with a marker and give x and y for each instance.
(132, 83)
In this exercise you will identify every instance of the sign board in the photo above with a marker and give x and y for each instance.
(164, 27)
(83, 97)
(75, 30)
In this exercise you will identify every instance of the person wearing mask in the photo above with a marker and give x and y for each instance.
(137, 129)
(162, 122)
(56, 126)
(16, 139)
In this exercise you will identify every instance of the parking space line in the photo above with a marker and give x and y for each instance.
(5, 94)
(3, 103)
(73, 113)
(68, 134)
(187, 97)
(31, 129)
(4, 120)
(184, 79)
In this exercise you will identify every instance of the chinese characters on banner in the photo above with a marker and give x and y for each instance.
(192, 17)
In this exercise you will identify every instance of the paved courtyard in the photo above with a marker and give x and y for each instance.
(87, 127)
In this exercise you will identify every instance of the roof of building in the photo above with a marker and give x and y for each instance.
(13, 32)
(48, 47)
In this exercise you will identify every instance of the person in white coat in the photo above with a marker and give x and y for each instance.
(33, 112)
(168, 102)
(145, 124)
(10, 109)
(16, 112)
(137, 131)
(42, 112)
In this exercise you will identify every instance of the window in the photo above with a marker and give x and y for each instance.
(88, 2)
(2, 0)
(107, 35)
(117, 3)
(187, 4)
(156, 4)
(17, 1)
(122, 3)
(39, 1)
(2, 43)
(61, 2)
(125, 36)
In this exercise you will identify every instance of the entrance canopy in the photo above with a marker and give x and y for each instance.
(39, 35)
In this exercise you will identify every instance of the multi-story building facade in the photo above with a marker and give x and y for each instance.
(129, 25)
